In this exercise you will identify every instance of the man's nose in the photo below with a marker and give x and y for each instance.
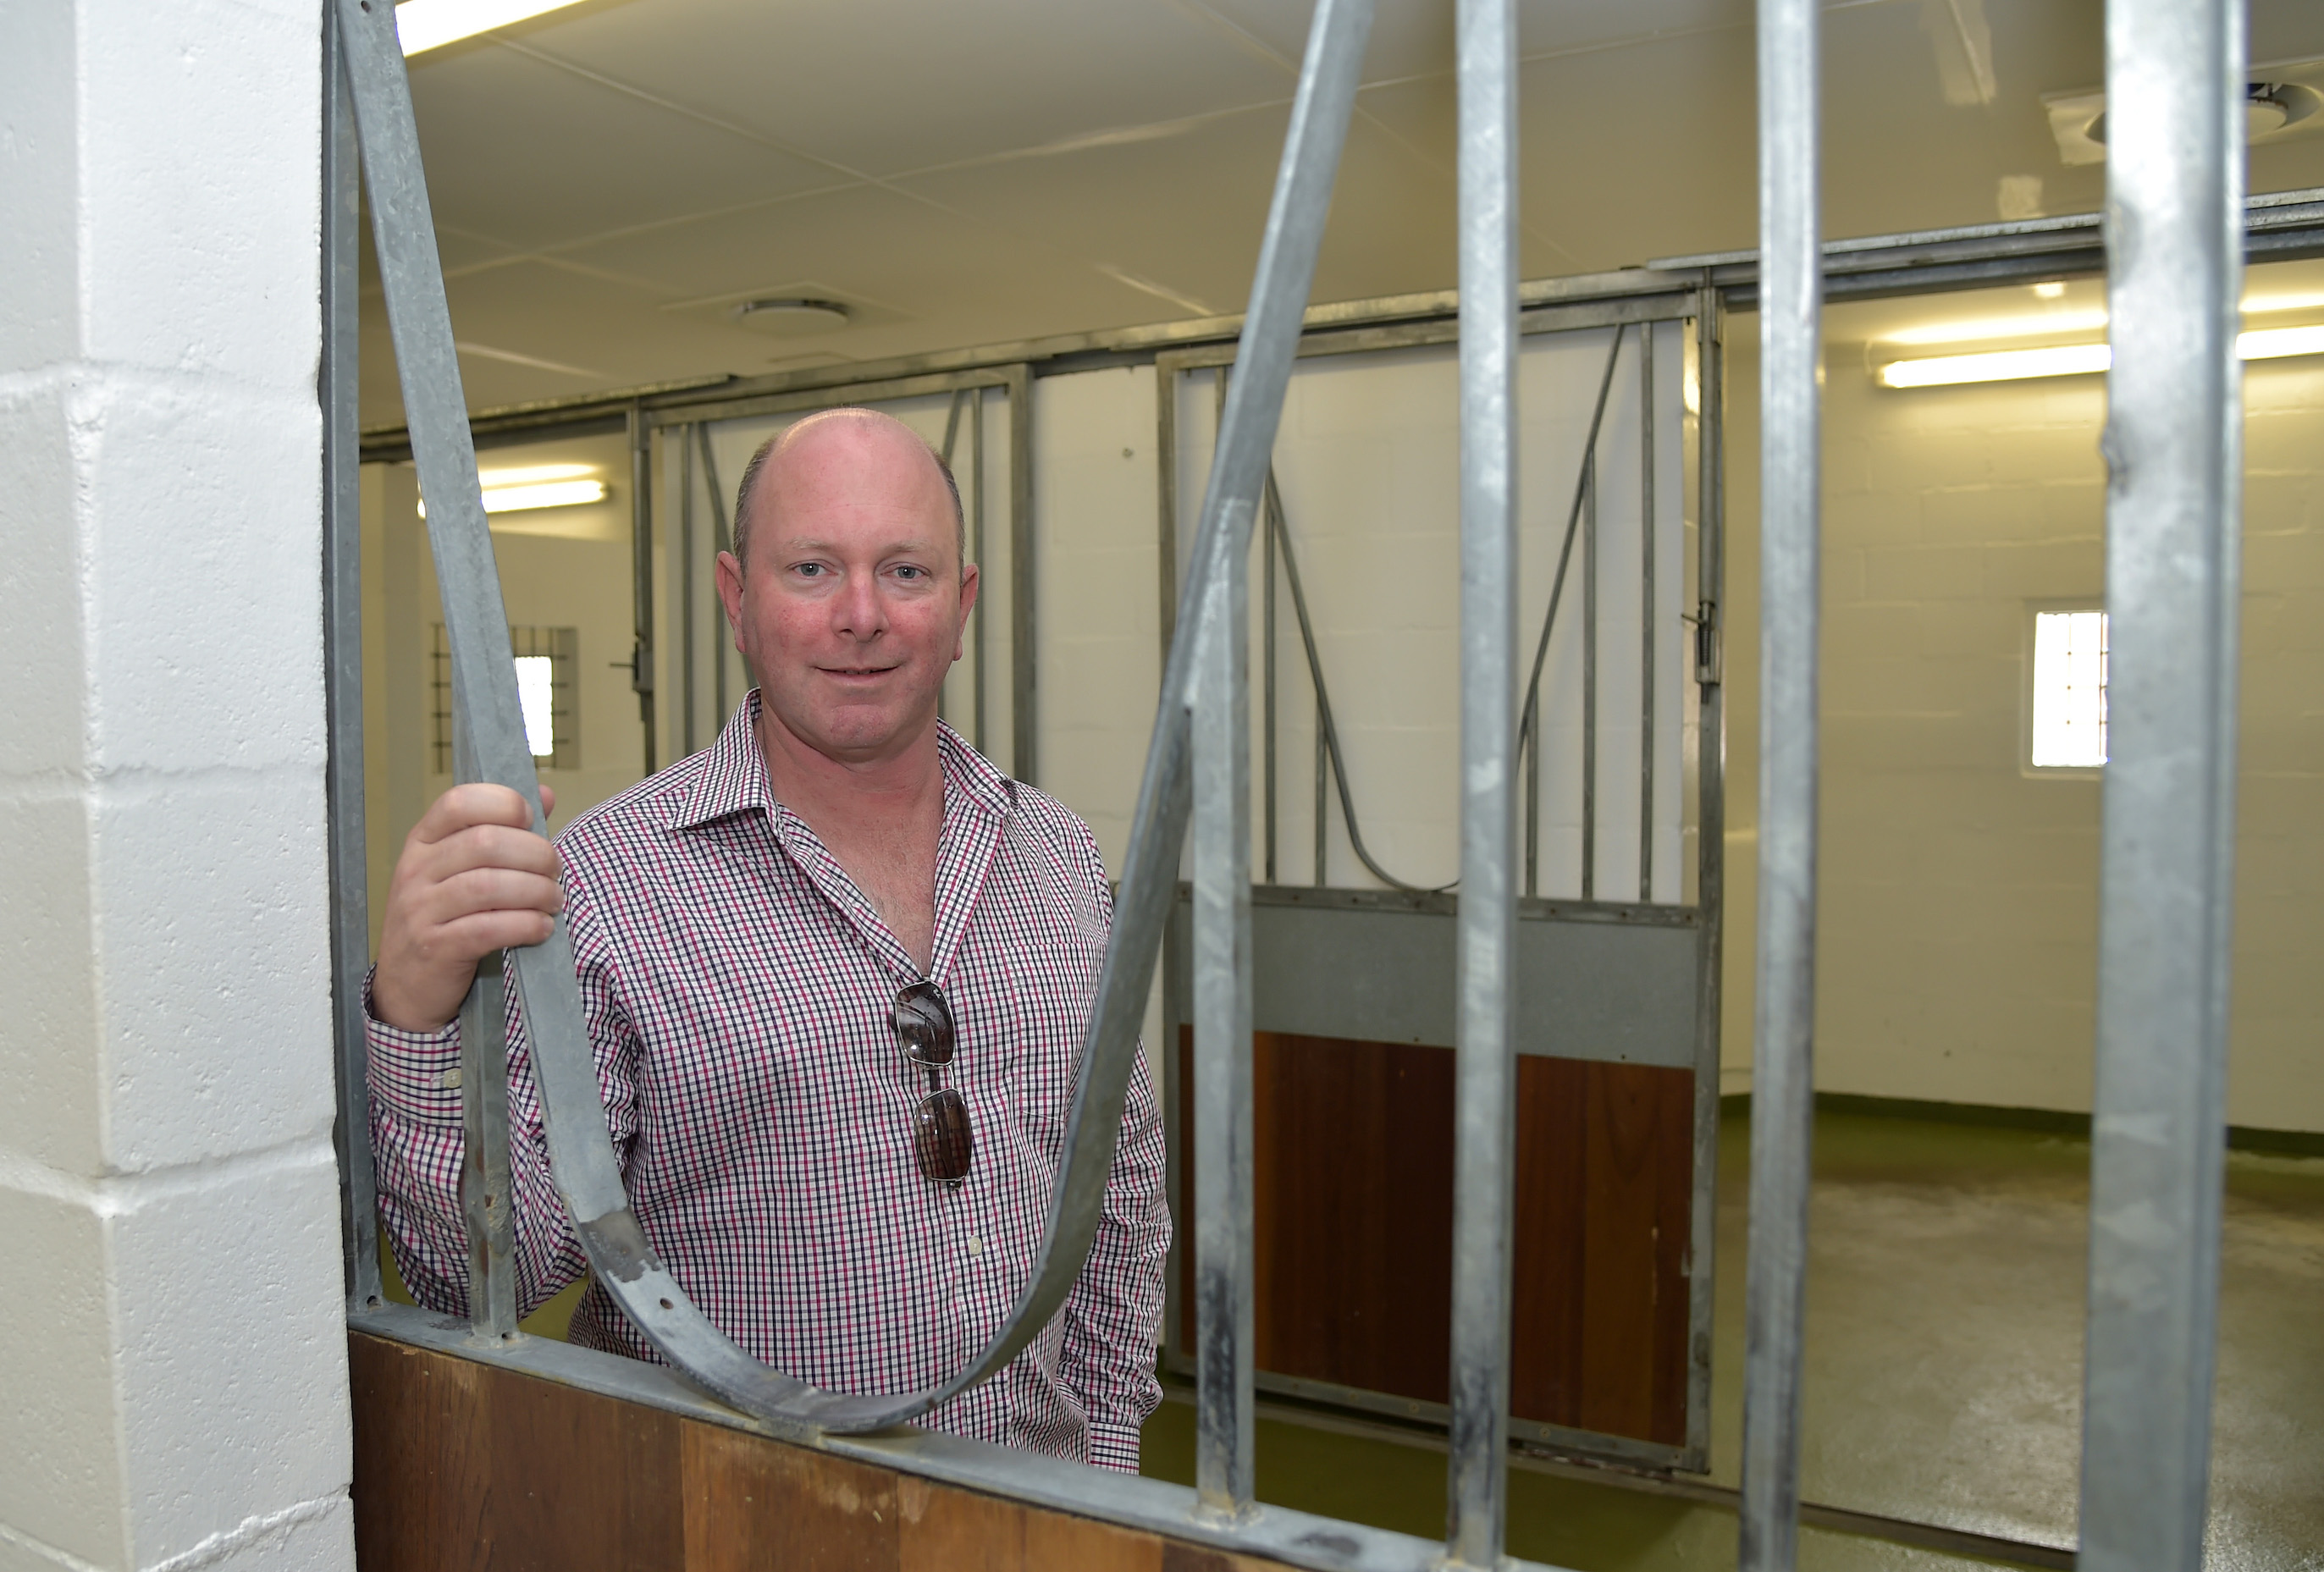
(858, 610)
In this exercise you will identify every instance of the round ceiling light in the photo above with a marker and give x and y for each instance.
(2268, 108)
(791, 316)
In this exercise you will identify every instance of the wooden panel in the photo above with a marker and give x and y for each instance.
(422, 1456)
(463, 1465)
(1353, 1228)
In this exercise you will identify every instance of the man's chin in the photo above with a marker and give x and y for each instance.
(844, 730)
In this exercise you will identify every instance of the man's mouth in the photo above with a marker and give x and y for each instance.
(855, 670)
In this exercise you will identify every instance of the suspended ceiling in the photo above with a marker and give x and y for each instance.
(611, 179)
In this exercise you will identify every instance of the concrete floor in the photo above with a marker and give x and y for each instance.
(1944, 1368)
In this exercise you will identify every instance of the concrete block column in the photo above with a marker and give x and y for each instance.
(173, 1356)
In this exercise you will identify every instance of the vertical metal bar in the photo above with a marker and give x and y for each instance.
(1270, 535)
(1531, 749)
(722, 647)
(1589, 674)
(951, 438)
(1323, 798)
(485, 1179)
(1223, 1451)
(1165, 459)
(689, 637)
(1024, 582)
(976, 549)
(1791, 296)
(1647, 611)
(343, 773)
(2175, 76)
(1477, 1485)
(642, 580)
(1711, 857)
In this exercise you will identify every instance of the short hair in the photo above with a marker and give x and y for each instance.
(759, 458)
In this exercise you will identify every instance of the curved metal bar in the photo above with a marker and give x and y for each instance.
(580, 1146)
(1324, 725)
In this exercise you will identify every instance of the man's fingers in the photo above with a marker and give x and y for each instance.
(472, 803)
(479, 935)
(491, 890)
(489, 846)
(548, 799)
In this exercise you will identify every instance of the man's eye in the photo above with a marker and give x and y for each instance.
(909, 572)
(810, 570)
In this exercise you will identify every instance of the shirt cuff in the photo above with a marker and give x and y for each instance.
(1113, 1447)
(415, 1074)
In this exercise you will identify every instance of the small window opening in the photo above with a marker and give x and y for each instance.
(2070, 690)
(546, 667)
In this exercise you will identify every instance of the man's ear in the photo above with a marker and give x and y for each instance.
(730, 593)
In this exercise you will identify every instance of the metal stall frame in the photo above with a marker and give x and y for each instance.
(2150, 1352)
(1631, 298)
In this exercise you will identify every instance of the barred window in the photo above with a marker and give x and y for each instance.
(547, 660)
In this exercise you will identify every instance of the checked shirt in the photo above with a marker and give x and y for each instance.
(737, 985)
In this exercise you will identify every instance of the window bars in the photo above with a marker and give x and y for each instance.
(2175, 226)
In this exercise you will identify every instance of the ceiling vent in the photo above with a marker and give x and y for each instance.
(2281, 100)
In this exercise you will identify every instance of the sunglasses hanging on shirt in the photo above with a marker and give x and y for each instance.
(943, 1139)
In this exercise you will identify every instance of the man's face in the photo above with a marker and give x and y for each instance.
(850, 612)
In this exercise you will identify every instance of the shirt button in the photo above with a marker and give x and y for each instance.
(975, 1246)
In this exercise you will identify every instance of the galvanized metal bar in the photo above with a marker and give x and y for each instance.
(1783, 1073)
(641, 561)
(690, 642)
(1224, 1197)
(1529, 728)
(1477, 1488)
(720, 542)
(1711, 857)
(1327, 731)
(2175, 76)
(1165, 477)
(1023, 584)
(1590, 675)
(342, 768)
(487, 1190)
(1321, 857)
(1647, 611)
(1269, 537)
(976, 552)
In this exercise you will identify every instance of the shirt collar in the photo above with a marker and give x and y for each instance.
(732, 778)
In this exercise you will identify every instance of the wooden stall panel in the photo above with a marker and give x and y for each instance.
(1353, 1157)
(461, 1467)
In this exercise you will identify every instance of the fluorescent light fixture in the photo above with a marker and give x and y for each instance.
(543, 494)
(537, 495)
(2275, 342)
(426, 25)
(2070, 690)
(535, 679)
(2003, 365)
(2026, 326)
(536, 472)
(2066, 359)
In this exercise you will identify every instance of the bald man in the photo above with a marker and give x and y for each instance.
(835, 968)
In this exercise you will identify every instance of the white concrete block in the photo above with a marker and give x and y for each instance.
(202, 514)
(60, 1484)
(231, 1347)
(39, 252)
(50, 1108)
(41, 604)
(200, 172)
(211, 899)
(316, 1536)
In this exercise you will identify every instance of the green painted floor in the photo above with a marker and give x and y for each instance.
(1944, 1368)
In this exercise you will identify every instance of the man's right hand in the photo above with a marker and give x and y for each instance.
(473, 879)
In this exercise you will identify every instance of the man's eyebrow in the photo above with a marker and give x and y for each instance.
(803, 546)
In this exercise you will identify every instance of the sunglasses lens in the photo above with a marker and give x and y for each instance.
(923, 1021)
(942, 1138)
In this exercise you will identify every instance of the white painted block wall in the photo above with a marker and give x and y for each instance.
(174, 1370)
